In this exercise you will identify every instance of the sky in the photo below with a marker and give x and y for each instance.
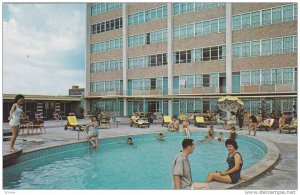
(43, 47)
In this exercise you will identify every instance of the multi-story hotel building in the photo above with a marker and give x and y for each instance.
(182, 57)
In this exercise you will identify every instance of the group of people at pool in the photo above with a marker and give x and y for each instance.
(181, 170)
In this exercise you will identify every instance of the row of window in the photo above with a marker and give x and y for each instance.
(198, 80)
(104, 7)
(147, 83)
(190, 105)
(265, 17)
(107, 66)
(147, 15)
(116, 85)
(181, 8)
(198, 55)
(107, 25)
(147, 61)
(265, 47)
(200, 28)
(267, 77)
(107, 46)
(148, 38)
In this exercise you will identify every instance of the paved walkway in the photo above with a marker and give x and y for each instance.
(283, 176)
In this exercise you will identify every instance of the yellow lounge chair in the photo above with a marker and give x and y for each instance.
(166, 120)
(266, 125)
(72, 122)
(289, 128)
(181, 118)
(199, 122)
(138, 122)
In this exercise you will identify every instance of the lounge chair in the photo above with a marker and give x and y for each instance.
(166, 120)
(199, 122)
(290, 128)
(105, 122)
(72, 122)
(266, 125)
(138, 122)
(181, 118)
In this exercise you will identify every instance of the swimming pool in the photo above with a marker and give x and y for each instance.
(145, 165)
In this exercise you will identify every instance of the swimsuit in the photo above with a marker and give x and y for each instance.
(235, 176)
(15, 121)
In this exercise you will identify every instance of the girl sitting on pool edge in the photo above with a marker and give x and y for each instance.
(235, 164)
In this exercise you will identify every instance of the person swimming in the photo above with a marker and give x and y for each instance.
(220, 137)
(129, 141)
(160, 137)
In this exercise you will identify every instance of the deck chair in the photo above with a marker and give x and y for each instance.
(181, 118)
(266, 125)
(105, 122)
(199, 122)
(290, 128)
(138, 122)
(72, 122)
(166, 120)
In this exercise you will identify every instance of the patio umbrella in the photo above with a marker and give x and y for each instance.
(229, 103)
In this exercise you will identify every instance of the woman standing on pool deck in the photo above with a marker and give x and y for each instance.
(235, 163)
(14, 120)
(93, 137)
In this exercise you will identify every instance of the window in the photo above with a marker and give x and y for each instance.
(255, 77)
(236, 22)
(188, 56)
(276, 76)
(159, 59)
(176, 33)
(266, 47)
(190, 7)
(107, 25)
(112, 24)
(198, 55)
(190, 30)
(255, 48)
(199, 29)
(153, 14)
(214, 79)
(206, 27)
(190, 81)
(222, 25)
(276, 46)
(152, 60)
(206, 80)
(183, 32)
(287, 13)
(117, 23)
(102, 26)
(246, 20)
(245, 49)
(222, 52)
(287, 75)
(198, 6)
(147, 16)
(148, 38)
(183, 58)
(266, 17)
(206, 54)
(198, 80)
(287, 44)
(176, 8)
(295, 43)
(245, 77)
(214, 26)
(165, 60)
(160, 12)
(236, 50)
(255, 19)
(141, 17)
(266, 77)
(130, 63)
(214, 53)
(277, 15)
(159, 36)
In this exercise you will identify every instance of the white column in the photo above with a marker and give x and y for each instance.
(87, 57)
(228, 50)
(125, 79)
(170, 57)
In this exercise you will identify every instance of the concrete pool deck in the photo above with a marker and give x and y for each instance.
(282, 175)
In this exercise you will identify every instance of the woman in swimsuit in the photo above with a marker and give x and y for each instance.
(235, 163)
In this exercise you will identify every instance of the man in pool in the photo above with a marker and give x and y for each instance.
(181, 169)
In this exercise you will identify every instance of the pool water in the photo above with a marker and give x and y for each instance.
(145, 165)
